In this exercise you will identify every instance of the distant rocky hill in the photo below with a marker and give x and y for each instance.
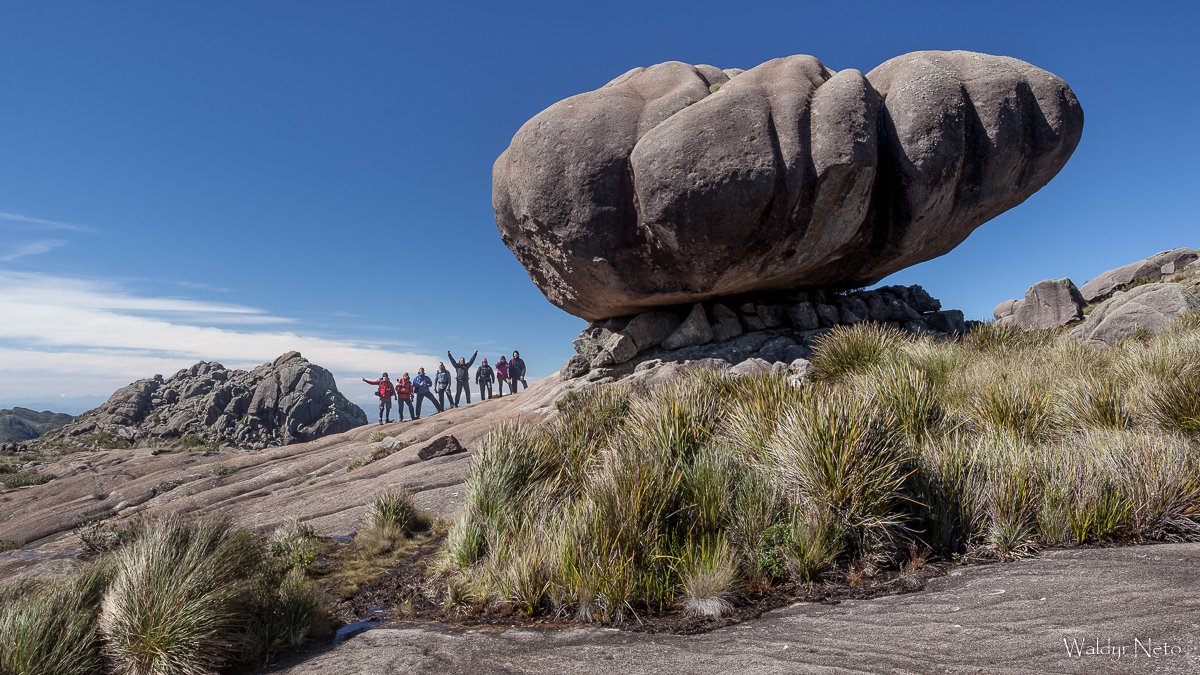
(23, 424)
(286, 401)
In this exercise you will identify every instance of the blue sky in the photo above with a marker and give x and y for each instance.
(229, 180)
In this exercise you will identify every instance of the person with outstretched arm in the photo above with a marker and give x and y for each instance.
(421, 385)
(441, 384)
(462, 376)
(484, 378)
(501, 375)
(516, 372)
(404, 394)
(385, 393)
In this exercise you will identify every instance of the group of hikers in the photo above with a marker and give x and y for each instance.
(404, 390)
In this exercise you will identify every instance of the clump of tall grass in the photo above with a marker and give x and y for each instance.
(391, 519)
(51, 627)
(170, 596)
(846, 350)
(1175, 406)
(695, 493)
(174, 604)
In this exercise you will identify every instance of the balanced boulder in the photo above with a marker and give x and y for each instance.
(675, 184)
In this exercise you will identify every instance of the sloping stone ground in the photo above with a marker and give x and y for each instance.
(262, 490)
(1000, 618)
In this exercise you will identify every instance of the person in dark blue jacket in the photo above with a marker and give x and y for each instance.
(484, 377)
(462, 375)
(421, 385)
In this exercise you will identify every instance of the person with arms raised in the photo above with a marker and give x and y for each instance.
(462, 376)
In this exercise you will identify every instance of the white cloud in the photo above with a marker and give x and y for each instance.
(16, 220)
(31, 248)
(81, 337)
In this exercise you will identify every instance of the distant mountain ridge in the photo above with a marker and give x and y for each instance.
(22, 424)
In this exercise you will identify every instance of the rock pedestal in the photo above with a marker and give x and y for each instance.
(762, 333)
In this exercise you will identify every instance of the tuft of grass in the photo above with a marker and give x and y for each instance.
(707, 575)
(1099, 403)
(995, 338)
(1175, 407)
(391, 519)
(1024, 410)
(174, 600)
(847, 350)
(8, 545)
(378, 436)
(227, 470)
(51, 627)
(833, 454)
(24, 479)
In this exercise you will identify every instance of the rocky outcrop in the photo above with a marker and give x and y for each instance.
(1150, 269)
(1147, 296)
(286, 401)
(1047, 304)
(22, 424)
(1152, 308)
(677, 184)
(765, 333)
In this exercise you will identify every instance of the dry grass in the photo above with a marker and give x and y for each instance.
(998, 444)
(165, 596)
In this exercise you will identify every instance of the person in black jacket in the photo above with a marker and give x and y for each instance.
(484, 377)
(441, 385)
(516, 372)
(462, 376)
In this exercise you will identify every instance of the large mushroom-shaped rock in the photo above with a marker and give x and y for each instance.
(1152, 308)
(677, 183)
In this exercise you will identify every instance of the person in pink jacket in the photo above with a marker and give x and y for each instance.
(501, 374)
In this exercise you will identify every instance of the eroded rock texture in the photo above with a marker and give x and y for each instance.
(677, 183)
(286, 401)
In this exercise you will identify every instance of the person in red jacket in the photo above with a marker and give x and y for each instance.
(404, 394)
(385, 393)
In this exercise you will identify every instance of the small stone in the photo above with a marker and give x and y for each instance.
(695, 330)
(828, 314)
(649, 330)
(441, 447)
(775, 350)
(751, 366)
(618, 349)
(803, 316)
(576, 366)
(725, 324)
(772, 316)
